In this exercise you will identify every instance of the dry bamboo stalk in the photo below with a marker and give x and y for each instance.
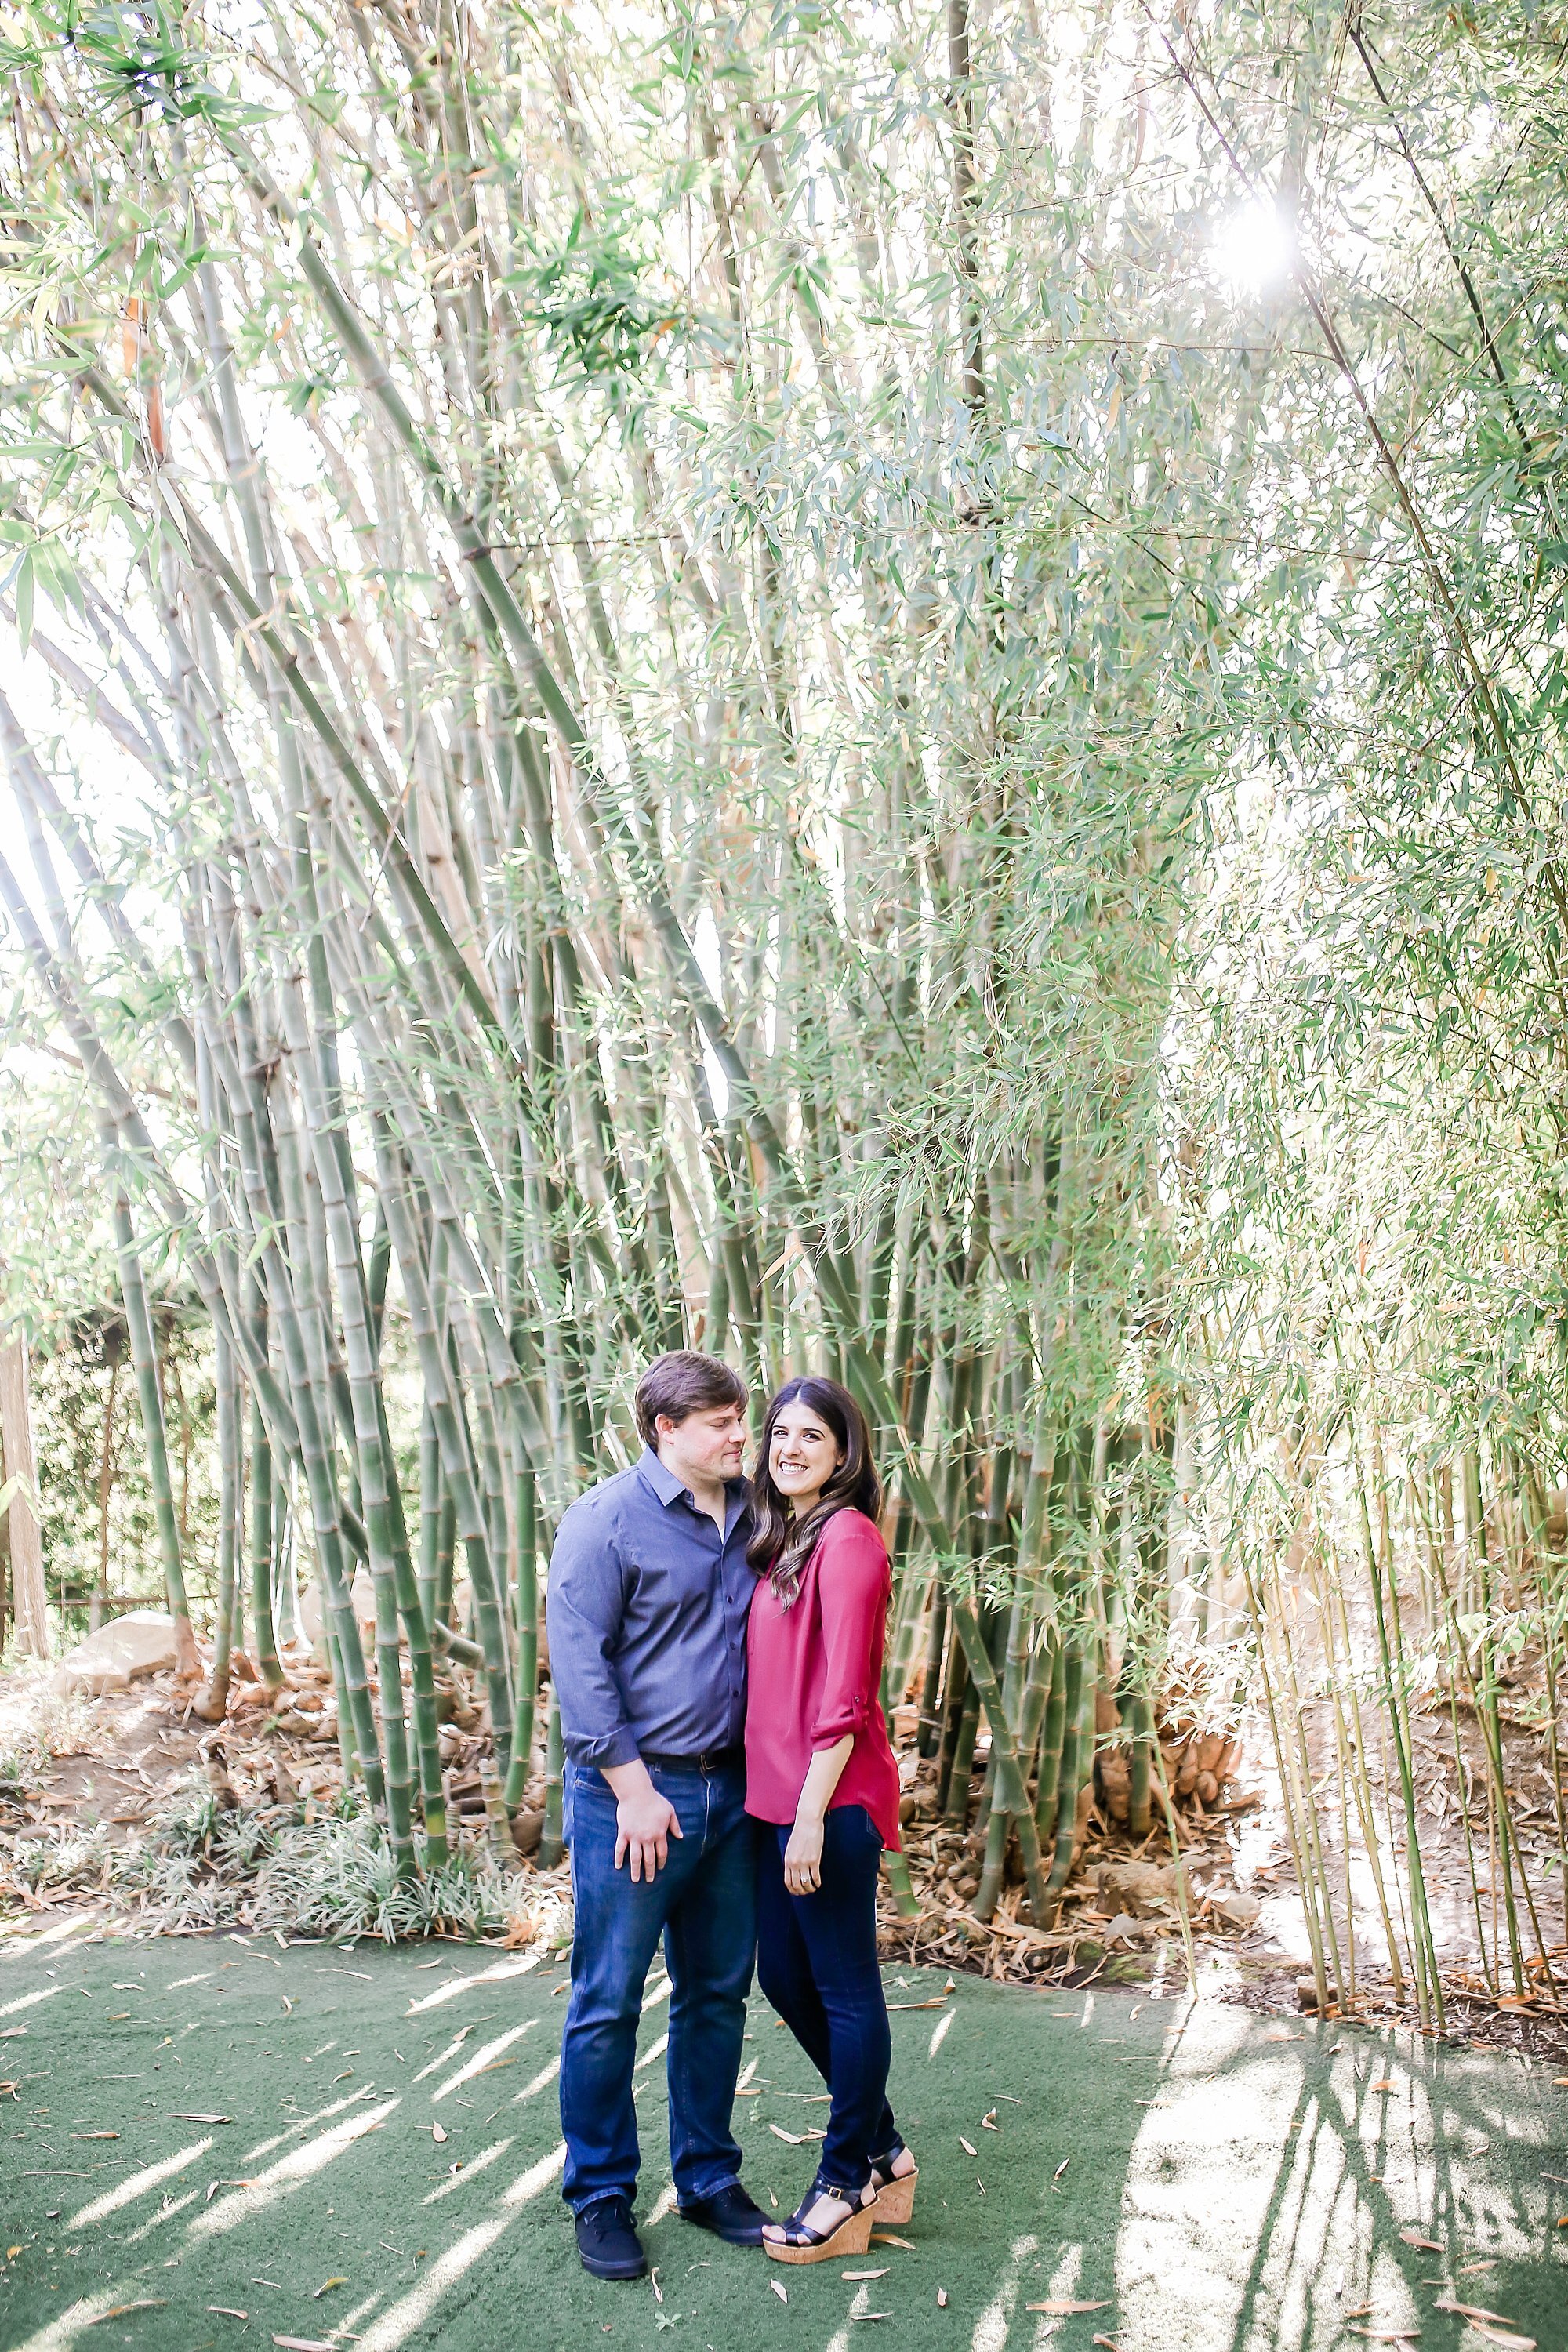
(29, 1598)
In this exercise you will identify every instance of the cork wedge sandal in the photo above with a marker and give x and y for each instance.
(895, 2191)
(802, 2243)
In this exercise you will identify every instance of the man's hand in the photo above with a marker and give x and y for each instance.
(645, 1821)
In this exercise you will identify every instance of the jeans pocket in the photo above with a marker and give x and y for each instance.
(857, 1833)
(580, 1785)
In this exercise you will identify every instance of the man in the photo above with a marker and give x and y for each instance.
(647, 1614)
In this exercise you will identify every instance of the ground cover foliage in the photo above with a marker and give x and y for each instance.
(875, 690)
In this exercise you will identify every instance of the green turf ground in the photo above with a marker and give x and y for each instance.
(1217, 2179)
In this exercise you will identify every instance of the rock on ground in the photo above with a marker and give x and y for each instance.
(141, 1643)
(1136, 1888)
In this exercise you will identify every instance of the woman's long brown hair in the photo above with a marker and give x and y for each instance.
(782, 1544)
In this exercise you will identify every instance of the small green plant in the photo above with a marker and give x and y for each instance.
(199, 1863)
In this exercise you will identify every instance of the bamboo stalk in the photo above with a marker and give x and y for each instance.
(550, 1839)
(264, 1534)
(1428, 1986)
(144, 1362)
(213, 1703)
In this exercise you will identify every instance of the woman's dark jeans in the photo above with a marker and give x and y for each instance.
(816, 1962)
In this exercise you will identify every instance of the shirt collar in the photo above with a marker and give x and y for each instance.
(660, 1477)
(669, 1488)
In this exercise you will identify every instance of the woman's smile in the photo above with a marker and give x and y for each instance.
(803, 1453)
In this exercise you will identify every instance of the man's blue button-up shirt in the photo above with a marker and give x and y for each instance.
(647, 1614)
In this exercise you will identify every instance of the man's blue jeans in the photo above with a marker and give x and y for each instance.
(703, 1903)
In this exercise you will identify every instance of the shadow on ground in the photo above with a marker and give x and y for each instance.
(1205, 2177)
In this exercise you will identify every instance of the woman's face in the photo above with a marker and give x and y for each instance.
(802, 1453)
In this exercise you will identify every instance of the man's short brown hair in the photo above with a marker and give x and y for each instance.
(683, 1382)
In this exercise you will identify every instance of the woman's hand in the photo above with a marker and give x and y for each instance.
(803, 1856)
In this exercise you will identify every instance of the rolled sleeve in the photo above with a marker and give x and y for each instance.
(852, 1588)
(583, 1607)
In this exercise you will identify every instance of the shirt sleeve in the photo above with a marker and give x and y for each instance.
(585, 1602)
(852, 1581)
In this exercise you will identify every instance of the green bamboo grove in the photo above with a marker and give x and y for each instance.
(716, 681)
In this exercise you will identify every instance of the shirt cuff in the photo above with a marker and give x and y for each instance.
(614, 1747)
(852, 1720)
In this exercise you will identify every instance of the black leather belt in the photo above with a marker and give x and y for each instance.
(712, 1759)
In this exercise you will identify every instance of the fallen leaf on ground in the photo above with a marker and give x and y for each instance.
(1503, 2336)
(988, 2121)
(303, 2343)
(967, 2145)
(653, 2282)
(1473, 2311)
(886, 2237)
(180, 2116)
(213, 2186)
(1387, 2335)
(95, 2135)
(870, 2314)
(779, 2290)
(326, 2287)
(798, 2139)
(1427, 2245)
(937, 2000)
(123, 2310)
(12, 2033)
(1061, 2167)
(223, 2310)
(438, 2134)
(1385, 2085)
(864, 2274)
(1059, 2305)
(1468, 2270)
(941, 2298)
(1110, 2343)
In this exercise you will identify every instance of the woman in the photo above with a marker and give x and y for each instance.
(824, 1787)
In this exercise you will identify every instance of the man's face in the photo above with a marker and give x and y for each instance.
(706, 1447)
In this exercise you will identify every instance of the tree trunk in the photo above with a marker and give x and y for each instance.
(29, 1598)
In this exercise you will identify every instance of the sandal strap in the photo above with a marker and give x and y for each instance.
(882, 2164)
(798, 2230)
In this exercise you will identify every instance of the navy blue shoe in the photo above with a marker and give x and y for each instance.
(728, 2213)
(608, 2242)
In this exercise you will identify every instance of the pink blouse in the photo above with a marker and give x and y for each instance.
(815, 1672)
